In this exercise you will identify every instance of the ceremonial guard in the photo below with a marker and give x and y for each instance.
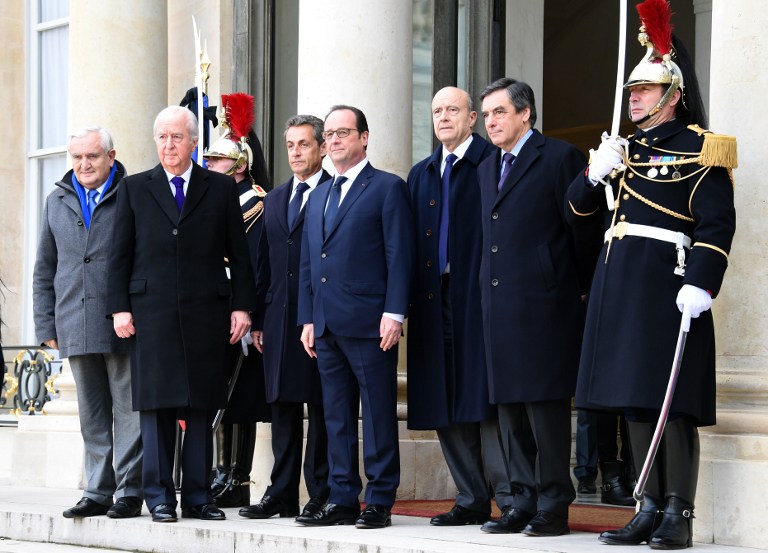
(666, 197)
(233, 154)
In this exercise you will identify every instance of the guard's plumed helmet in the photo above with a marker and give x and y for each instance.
(236, 116)
(658, 65)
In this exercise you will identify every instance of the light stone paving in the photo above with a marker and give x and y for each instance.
(31, 522)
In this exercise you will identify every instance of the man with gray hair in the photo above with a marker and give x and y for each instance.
(291, 375)
(170, 298)
(69, 297)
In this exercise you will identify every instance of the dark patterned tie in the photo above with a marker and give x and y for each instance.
(506, 164)
(178, 182)
(294, 208)
(333, 204)
(442, 245)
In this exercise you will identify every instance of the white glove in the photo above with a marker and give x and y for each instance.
(246, 341)
(692, 302)
(609, 156)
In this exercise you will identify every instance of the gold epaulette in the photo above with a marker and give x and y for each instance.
(718, 150)
(260, 192)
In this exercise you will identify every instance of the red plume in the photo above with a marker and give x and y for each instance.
(239, 109)
(657, 20)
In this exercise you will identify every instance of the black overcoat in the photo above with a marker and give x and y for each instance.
(533, 315)
(632, 319)
(290, 374)
(248, 403)
(168, 270)
(437, 396)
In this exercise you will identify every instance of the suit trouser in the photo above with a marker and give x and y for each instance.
(158, 431)
(472, 450)
(356, 371)
(287, 440)
(103, 382)
(475, 457)
(537, 441)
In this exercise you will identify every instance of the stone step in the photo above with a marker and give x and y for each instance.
(33, 515)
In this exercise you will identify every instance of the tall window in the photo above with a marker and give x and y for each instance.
(47, 63)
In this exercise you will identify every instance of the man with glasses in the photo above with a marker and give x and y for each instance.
(170, 297)
(447, 380)
(69, 295)
(353, 296)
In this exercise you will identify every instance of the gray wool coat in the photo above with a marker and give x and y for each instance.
(70, 278)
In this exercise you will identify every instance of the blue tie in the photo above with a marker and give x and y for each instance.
(442, 245)
(294, 208)
(92, 201)
(505, 165)
(178, 182)
(333, 204)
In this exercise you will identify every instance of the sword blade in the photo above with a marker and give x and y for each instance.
(639, 490)
(230, 387)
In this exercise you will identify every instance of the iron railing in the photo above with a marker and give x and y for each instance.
(29, 378)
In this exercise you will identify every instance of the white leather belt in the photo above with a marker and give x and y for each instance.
(680, 240)
(622, 229)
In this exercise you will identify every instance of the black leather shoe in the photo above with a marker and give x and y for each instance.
(374, 516)
(314, 505)
(125, 507)
(164, 512)
(586, 486)
(208, 511)
(86, 508)
(330, 515)
(270, 506)
(547, 524)
(512, 521)
(637, 530)
(675, 530)
(459, 516)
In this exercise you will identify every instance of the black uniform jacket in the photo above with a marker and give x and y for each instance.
(633, 320)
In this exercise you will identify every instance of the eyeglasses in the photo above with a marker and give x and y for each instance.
(341, 133)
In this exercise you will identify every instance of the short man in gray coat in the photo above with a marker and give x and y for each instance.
(70, 288)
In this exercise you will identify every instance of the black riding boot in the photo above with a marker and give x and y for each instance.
(642, 526)
(223, 455)
(615, 490)
(238, 490)
(681, 473)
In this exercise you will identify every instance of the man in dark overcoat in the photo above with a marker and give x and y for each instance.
(533, 314)
(447, 377)
(291, 375)
(169, 294)
(666, 249)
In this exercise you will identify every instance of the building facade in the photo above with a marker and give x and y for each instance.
(118, 62)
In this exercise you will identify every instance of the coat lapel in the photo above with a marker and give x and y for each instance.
(160, 189)
(282, 197)
(528, 155)
(358, 187)
(198, 186)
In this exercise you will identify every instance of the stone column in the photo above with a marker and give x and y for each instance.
(703, 13)
(117, 79)
(525, 48)
(731, 503)
(366, 61)
(118, 72)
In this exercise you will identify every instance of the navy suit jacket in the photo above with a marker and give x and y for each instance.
(291, 375)
(363, 267)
